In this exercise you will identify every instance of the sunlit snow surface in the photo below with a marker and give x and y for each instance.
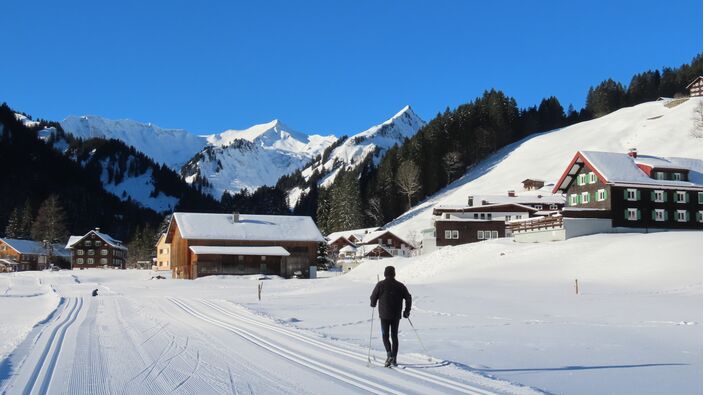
(494, 317)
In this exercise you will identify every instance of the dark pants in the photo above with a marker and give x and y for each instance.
(390, 327)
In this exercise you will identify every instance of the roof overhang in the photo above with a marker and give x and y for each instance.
(239, 250)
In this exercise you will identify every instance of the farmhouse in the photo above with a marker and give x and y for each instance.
(21, 255)
(696, 87)
(609, 191)
(530, 184)
(455, 225)
(163, 254)
(96, 250)
(209, 244)
(368, 243)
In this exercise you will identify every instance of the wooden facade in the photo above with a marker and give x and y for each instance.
(665, 205)
(456, 232)
(24, 261)
(187, 265)
(97, 250)
(530, 184)
(696, 87)
(163, 254)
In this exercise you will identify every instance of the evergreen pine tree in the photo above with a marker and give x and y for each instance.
(12, 230)
(26, 220)
(51, 222)
(321, 260)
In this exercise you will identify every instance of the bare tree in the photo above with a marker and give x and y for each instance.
(408, 180)
(374, 211)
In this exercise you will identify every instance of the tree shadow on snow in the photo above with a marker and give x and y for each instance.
(566, 368)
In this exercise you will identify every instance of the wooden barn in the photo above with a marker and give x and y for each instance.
(21, 255)
(211, 244)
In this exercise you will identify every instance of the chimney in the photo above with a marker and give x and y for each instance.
(512, 193)
(470, 201)
(97, 229)
(633, 153)
(484, 202)
(235, 217)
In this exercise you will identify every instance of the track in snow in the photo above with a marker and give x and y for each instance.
(339, 363)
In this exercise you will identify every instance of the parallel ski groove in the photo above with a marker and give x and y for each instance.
(348, 378)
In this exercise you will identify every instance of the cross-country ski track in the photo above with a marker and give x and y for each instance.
(115, 343)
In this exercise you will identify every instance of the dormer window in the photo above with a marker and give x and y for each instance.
(659, 175)
(632, 194)
(677, 176)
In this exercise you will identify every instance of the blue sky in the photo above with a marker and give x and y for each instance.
(324, 66)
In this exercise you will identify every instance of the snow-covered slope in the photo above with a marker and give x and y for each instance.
(654, 128)
(250, 158)
(172, 147)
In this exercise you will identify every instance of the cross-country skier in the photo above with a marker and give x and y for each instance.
(391, 294)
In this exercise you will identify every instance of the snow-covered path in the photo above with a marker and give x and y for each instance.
(115, 343)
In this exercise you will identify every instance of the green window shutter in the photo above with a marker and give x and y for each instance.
(652, 196)
(596, 196)
(664, 196)
(686, 216)
(606, 194)
(652, 215)
(665, 216)
(637, 194)
(686, 197)
(625, 214)
(638, 213)
(625, 194)
(578, 199)
(699, 196)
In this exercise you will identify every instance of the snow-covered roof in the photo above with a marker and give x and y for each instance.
(205, 226)
(25, 246)
(348, 248)
(359, 233)
(622, 169)
(525, 199)
(239, 250)
(104, 236)
(511, 207)
(371, 237)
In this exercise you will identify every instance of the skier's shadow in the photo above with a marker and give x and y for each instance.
(437, 364)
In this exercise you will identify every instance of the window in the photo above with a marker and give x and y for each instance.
(632, 214)
(681, 197)
(482, 216)
(263, 258)
(601, 195)
(677, 176)
(682, 216)
(389, 241)
(658, 196)
(574, 199)
(480, 234)
(91, 252)
(699, 216)
(488, 216)
(659, 215)
(585, 197)
(103, 252)
(447, 215)
(79, 261)
(90, 261)
(508, 218)
(495, 234)
(103, 261)
(518, 216)
(455, 234)
(448, 234)
(632, 194)
(659, 175)
(699, 197)
(80, 252)
(538, 206)
(98, 243)
(553, 207)
(581, 179)
(87, 243)
(476, 216)
(592, 178)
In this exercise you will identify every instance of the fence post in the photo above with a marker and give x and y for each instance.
(576, 287)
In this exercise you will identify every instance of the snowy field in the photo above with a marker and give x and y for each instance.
(495, 317)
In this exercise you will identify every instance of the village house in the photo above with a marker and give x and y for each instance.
(696, 87)
(96, 250)
(339, 240)
(625, 192)
(213, 244)
(455, 225)
(21, 255)
(163, 254)
(371, 243)
(530, 184)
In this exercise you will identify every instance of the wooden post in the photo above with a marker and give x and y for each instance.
(576, 287)
(259, 290)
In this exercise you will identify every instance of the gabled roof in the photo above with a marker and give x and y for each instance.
(203, 226)
(371, 238)
(103, 236)
(31, 247)
(358, 233)
(509, 207)
(343, 238)
(693, 81)
(621, 169)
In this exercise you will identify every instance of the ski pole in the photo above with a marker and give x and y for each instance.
(371, 329)
(419, 341)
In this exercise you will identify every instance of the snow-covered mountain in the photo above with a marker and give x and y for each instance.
(172, 147)
(355, 149)
(260, 155)
(662, 128)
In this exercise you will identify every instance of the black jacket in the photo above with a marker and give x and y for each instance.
(390, 294)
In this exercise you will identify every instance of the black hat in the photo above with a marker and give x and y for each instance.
(390, 272)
